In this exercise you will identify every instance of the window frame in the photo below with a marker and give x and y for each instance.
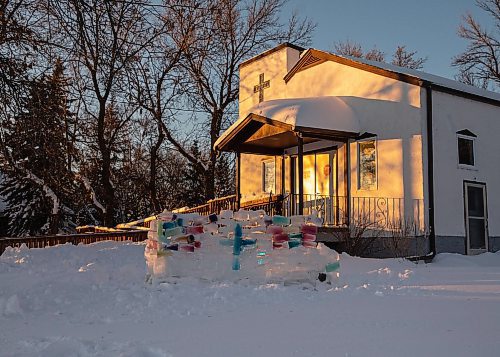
(467, 166)
(358, 146)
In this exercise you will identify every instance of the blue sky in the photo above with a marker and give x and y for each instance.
(427, 26)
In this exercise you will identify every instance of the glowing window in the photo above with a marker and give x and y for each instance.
(367, 168)
(268, 176)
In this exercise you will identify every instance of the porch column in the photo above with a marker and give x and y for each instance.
(300, 158)
(283, 188)
(238, 180)
(347, 180)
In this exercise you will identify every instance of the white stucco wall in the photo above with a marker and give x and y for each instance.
(331, 78)
(274, 66)
(384, 106)
(451, 114)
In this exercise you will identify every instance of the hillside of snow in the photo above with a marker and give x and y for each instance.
(91, 300)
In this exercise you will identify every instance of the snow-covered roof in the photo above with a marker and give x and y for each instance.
(329, 113)
(439, 81)
(316, 112)
(431, 78)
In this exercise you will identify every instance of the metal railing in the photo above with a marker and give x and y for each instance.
(383, 212)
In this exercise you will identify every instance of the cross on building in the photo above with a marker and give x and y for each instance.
(260, 87)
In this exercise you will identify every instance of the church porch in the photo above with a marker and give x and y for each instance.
(305, 150)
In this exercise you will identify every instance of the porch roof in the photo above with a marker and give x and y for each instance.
(274, 125)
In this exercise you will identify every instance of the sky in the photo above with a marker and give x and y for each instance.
(426, 26)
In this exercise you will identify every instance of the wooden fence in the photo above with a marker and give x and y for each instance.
(130, 231)
(86, 238)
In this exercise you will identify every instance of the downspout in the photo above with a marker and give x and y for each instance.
(430, 177)
(430, 171)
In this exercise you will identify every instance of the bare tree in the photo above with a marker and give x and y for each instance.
(479, 64)
(156, 88)
(103, 39)
(404, 58)
(401, 57)
(354, 49)
(222, 35)
(348, 48)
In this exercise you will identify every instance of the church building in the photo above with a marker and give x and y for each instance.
(358, 141)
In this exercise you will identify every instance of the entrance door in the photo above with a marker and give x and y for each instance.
(476, 221)
(320, 184)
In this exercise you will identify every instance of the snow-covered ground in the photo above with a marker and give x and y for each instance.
(91, 300)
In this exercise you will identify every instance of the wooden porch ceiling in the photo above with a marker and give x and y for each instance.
(261, 135)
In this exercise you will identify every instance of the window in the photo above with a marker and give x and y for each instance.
(367, 168)
(268, 176)
(465, 150)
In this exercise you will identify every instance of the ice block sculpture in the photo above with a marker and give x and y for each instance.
(238, 235)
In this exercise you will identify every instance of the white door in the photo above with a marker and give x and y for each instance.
(476, 221)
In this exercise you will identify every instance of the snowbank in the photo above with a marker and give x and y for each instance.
(91, 300)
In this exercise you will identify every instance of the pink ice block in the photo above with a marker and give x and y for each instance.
(308, 229)
(308, 244)
(280, 238)
(306, 237)
(274, 229)
(186, 248)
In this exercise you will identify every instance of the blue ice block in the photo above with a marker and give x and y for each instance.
(168, 225)
(293, 243)
(295, 235)
(331, 267)
(236, 262)
(248, 241)
(281, 220)
(238, 233)
(173, 231)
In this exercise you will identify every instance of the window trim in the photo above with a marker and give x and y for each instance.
(375, 143)
(263, 182)
(467, 166)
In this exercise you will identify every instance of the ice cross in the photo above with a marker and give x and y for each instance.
(260, 87)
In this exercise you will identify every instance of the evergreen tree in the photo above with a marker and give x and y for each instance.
(193, 191)
(224, 176)
(38, 150)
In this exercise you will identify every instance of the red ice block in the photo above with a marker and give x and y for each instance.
(274, 229)
(309, 229)
(308, 237)
(280, 238)
(186, 248)
(194, 229)
(279, 245)
(197, 244)
(309, 244)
